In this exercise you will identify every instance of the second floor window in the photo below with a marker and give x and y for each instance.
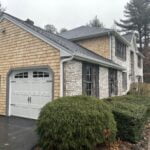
(120, 50)
(139, 61)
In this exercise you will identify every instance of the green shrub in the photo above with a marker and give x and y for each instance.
(75, 123)
(133, 99)
(130, 119)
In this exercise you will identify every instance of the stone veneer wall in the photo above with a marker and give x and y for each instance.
(120, 89)
(72, 78)
(103, 82)
(125, 64)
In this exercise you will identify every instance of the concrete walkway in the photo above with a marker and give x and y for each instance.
(17, 133)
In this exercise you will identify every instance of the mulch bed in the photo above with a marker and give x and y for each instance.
(144, 144)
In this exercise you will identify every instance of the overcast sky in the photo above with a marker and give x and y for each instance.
(66, 13)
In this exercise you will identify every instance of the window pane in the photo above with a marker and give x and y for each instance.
(40, 74)
(22, 75)
(120, 49)
(90, 80)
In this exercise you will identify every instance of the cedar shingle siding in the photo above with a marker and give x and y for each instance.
(21, 49)
(98, 45)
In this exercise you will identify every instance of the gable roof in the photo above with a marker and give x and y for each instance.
(86, 32)
(128, 36)
(61, 43)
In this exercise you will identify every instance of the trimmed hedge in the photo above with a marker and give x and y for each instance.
(130, 118)
(75, 123)
(133, 99)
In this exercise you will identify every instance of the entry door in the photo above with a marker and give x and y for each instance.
(30, 90)
(113, 82)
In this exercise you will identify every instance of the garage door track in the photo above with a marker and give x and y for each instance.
(17, 133)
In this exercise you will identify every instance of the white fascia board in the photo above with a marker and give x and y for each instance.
(140, 54)
(100, 62)
(116, 34)
(36, 34)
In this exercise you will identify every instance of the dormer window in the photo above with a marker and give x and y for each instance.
(120, 50)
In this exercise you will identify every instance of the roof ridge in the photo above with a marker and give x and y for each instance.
(74, 48)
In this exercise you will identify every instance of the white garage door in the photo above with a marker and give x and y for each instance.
(29, 90)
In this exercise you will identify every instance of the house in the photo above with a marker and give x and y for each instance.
(37, 66)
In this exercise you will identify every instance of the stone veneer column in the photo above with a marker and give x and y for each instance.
(72, 78)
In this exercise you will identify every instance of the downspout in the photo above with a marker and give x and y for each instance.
(110, 43)
(62, 74)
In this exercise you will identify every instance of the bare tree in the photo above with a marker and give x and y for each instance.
(95, 22)
(50, 28)
(63, 30)
(2, 9)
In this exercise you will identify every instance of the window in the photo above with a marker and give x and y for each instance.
(120, 50)
(139, 79)
(124, 81)
(22, 75)
(113, 82)
(37, 74)
(139, 61)
(90, 79)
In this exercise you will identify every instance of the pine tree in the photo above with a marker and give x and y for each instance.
(137, 18)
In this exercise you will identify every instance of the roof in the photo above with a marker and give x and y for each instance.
(73, 49)
(86, 32)
(128, 36)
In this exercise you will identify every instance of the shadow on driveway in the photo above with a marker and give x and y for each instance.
(17, 133)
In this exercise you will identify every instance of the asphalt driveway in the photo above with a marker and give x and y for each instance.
(17, 133)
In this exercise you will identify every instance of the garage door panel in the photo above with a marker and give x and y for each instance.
(29, 92)
(31, 113)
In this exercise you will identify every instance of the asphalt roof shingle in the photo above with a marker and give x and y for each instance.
(72, 48)
(83, 32)
(128, 36)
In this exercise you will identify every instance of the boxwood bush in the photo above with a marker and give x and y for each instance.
(130, 119)
(75, 123)
(133, 99)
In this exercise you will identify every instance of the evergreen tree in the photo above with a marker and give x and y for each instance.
(137, 18)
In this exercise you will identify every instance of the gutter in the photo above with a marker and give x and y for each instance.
(101, 63)
(62, 74)
(110, 45)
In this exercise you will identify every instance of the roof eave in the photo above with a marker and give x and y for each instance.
(99, 62)
(140, 54)
(89, 37)
(115, 33)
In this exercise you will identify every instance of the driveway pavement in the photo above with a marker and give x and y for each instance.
(17, 133)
